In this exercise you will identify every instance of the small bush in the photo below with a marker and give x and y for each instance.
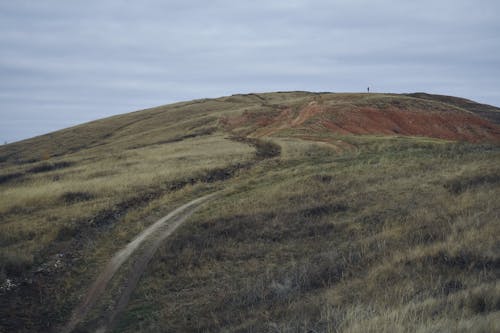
(266, 149)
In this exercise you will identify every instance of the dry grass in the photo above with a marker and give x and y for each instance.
(325, 242)
(337, 234)
(45, 202)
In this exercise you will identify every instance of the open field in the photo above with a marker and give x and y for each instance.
(364, 229)
(401, 240)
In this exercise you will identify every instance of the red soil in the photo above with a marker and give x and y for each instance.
(453, 124)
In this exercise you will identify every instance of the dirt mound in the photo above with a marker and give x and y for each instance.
(389, 117)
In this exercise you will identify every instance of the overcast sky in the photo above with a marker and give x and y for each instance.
(67, 62)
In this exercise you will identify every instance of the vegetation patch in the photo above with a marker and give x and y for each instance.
(464, 261)
(324, 210)
(196, 133)
(264, 149)
(46, 167)
(481, 302)
(74, 197)
(462, 184)
(10, 176)
(452, 286)
(14, 264)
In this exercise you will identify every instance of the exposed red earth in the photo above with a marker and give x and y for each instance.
(433, 120)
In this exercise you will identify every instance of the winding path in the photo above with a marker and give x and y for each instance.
(147, 242)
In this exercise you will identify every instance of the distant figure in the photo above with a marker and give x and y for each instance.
(368, 89)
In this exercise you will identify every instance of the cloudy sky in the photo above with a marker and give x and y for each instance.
(67, 62)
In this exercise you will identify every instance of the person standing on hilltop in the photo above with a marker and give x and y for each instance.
(368, 89)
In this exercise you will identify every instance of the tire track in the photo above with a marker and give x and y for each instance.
(151, 238)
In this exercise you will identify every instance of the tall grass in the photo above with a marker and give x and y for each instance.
(329, 242)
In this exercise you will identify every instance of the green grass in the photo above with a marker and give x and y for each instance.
(336, 234)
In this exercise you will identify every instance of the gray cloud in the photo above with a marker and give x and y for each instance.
(62, 63)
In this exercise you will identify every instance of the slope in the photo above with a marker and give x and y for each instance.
(364, 114)
(345, 212)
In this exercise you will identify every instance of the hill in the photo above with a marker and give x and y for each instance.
(330, 213)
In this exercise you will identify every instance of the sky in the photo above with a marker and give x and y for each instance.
(67, 62)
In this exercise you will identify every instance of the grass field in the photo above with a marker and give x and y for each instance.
(336, 233)
(401, 240)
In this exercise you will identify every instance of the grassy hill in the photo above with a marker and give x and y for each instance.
(336, 213)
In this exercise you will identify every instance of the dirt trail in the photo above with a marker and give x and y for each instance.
(151, 237)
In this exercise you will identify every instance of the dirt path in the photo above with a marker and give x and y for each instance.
(150, 238)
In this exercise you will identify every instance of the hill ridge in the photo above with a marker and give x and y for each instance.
(98, 131)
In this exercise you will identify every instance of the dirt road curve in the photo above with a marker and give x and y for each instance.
(146, 243)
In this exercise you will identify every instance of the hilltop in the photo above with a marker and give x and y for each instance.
(417, 114)
(328, 212)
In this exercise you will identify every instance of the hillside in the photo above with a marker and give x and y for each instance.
(327, 213)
